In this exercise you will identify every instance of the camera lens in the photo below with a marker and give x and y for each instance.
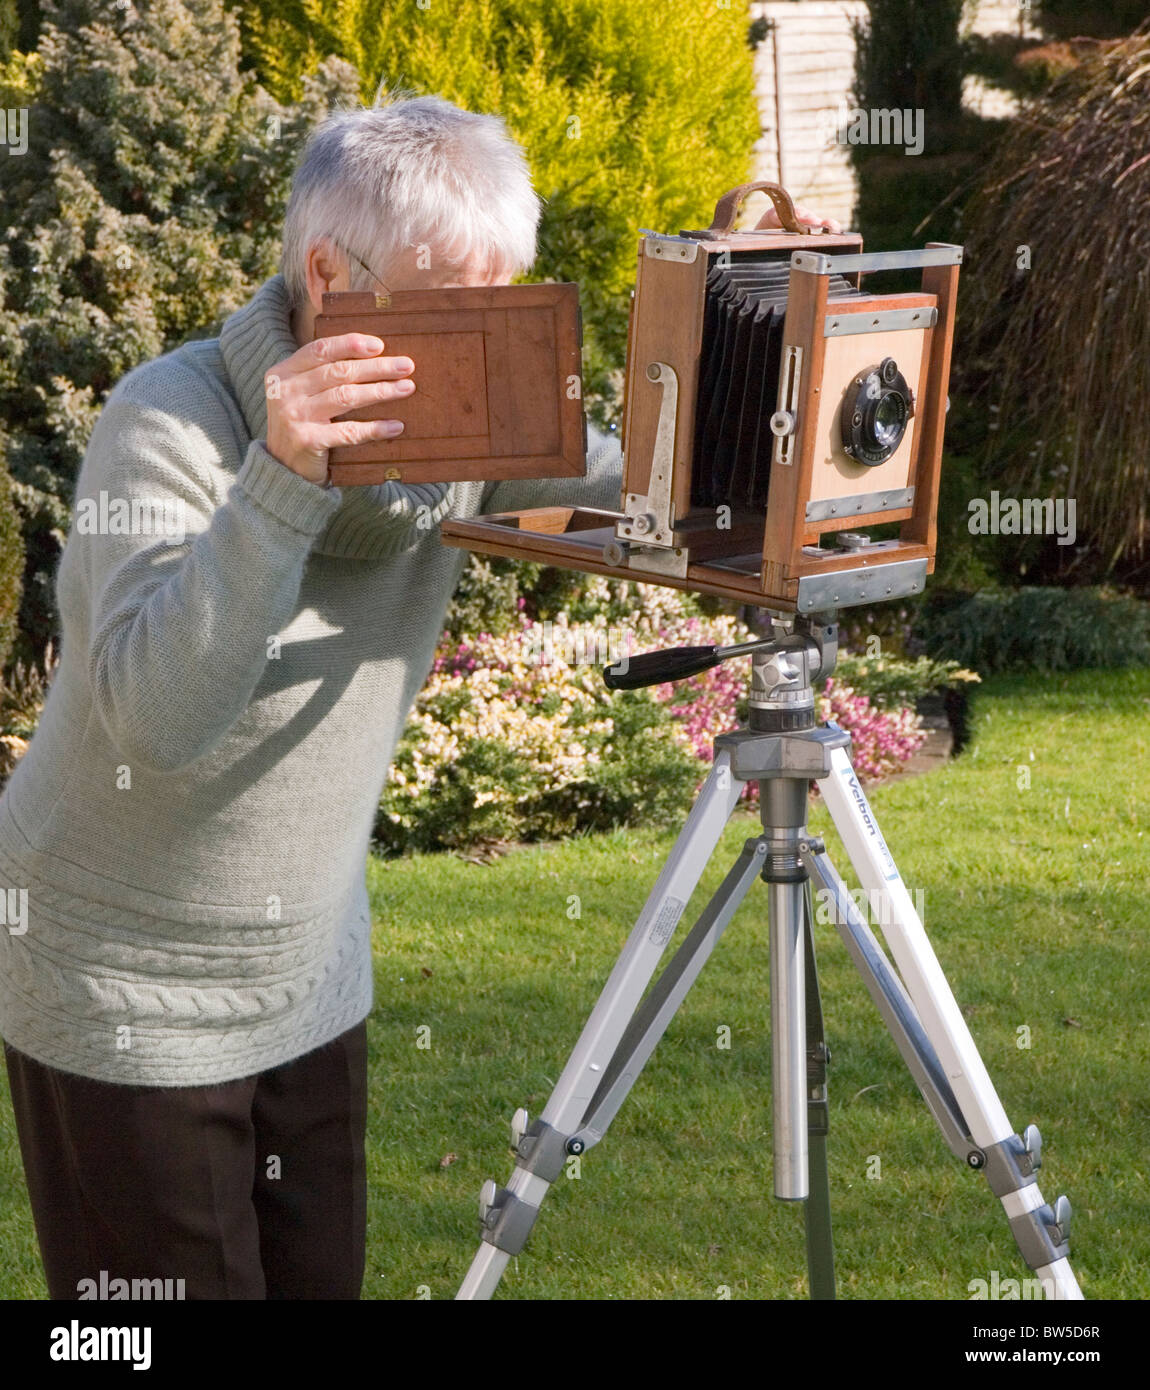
(889, 420)
(875, 413)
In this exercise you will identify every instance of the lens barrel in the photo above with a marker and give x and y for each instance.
(875, 413)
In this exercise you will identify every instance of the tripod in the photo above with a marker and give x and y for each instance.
(782, 750)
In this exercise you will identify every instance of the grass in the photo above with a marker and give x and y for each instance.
(1037, 900)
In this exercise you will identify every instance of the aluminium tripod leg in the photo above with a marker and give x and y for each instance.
(949, 1061)
(651, 1019)
(650, 1022)
(509, 1213)
(891, 999)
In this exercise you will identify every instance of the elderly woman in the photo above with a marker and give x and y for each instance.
(184, 1013)
(183, 1010)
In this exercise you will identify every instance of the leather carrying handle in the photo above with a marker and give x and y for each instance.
(727, 208)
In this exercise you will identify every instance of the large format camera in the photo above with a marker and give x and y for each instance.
(774, 407)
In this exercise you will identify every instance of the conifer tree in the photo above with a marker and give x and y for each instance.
(147, 207)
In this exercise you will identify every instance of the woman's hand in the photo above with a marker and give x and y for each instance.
(804, 216)
(326, 378)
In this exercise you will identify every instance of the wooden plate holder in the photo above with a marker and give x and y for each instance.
(498, 377)
(772, 560)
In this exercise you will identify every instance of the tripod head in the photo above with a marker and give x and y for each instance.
(802, 649)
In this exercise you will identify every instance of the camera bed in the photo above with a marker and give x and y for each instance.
(576, 538)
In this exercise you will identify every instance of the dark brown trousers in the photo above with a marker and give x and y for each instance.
(252, 1189)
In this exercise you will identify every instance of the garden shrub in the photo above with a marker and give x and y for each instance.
(1053, 345)
(891, 681)
(146, 208)
(1041, 629)
(11, 566)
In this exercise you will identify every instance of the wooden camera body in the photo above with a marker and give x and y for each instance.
(498, 376)
(769, 401)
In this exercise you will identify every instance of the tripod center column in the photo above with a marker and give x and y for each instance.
(782, 704)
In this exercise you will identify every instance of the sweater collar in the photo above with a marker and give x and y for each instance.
(371, 522)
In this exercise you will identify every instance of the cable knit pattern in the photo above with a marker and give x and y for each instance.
(191, 819)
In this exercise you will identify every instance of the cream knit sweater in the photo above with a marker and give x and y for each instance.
(192, 817)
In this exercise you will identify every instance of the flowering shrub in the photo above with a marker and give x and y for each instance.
(21, 702)
(511, 739)
(516, 736)
(881, 739)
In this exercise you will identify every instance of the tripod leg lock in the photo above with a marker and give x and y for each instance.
(818, 1111)
(507, 1221)
(1043, 1235)
(1011, 1164)
(543, 1151)
(818, 1117)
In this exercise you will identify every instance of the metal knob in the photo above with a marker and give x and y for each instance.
(1032, 1143)
(1061, 1229)
(519, 1122)
(486, 1199)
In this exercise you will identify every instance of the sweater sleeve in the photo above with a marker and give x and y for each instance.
(179, 618)
(601, 487)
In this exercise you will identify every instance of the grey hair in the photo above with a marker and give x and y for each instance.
(417, 171)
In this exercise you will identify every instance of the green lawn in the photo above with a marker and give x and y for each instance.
(1037, 900)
